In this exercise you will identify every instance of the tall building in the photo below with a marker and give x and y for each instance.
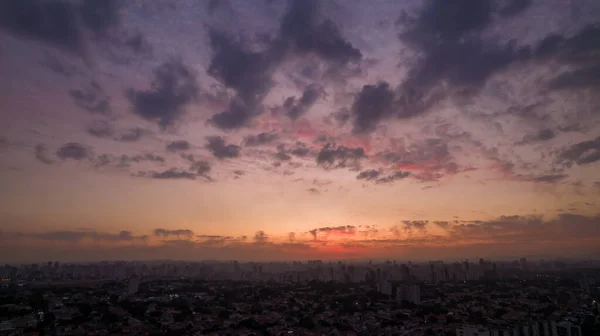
(408, 293)
(133, 285)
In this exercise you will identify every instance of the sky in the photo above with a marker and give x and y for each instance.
(301, 129)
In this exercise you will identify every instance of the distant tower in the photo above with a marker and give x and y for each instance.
(133, 285)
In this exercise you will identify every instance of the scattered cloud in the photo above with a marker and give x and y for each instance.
(220, 149)
(178, 145)
(178, 233)
(173, 87)
(260, 139)
(581, 153)
(74, 151)
(295, 108)
(42, 154)
(332, 156)
(91, 98)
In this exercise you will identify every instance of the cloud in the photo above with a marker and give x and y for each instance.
(550, 178)
(173, 174)
(411, 226)
(260, 237)
(371, 104)
(281, 154)
(179, 233)
(59, 23)
(342, 230)
(544, 134)
(332, 156)
(260, 139)
(442, 224)
(577, 79)
(300, 150)
(101, 129)
(314, 191)
(75, 236)
(295, 108)
(220, 149)
(368, 175)
(73, 150)
(173, 87)
(581, 153)
(520, 229)
(301, 27)
(42, 154)
(247, 72)
(454, 62)
(426, 160)
(178, 145)
(131, 134)
(201, 167)
(393, 177)
(91, 98)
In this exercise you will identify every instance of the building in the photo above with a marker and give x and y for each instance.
(133, 285)
(567, 329)
(408, 293)
(472, 330)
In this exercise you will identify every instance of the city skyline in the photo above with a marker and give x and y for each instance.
(297, 130)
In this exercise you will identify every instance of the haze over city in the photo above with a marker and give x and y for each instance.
(295, 130)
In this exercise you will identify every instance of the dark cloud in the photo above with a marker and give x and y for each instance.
(178, 145)
(281, 154)
(543, 135)
(201, 167)
(550, 178)
(455, 62)
(520, 229)
(579, 52)
(247, 72)
(73, 150)
(442, 224)
(58, 23)
(125, 161)
(313, 191)
(145, 157)
(368, 175)
(138, 44)
(104, 129)
(173, 174)
(220, 149)
(101, 129)
(300, 150)
(74, 236)
(514, 7)
(581, 153)
(341, 116)
(332, 156)
(180, 233)
(295, 108)
(410, 226)
(130, 135)
(577, 79)
(344, 230)
(42, 154)
(571, 128)
(393, 177)
(372, 103)
(301, 27)
(91, 98)
(260, 139)
(173, 87)
(260, 237)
